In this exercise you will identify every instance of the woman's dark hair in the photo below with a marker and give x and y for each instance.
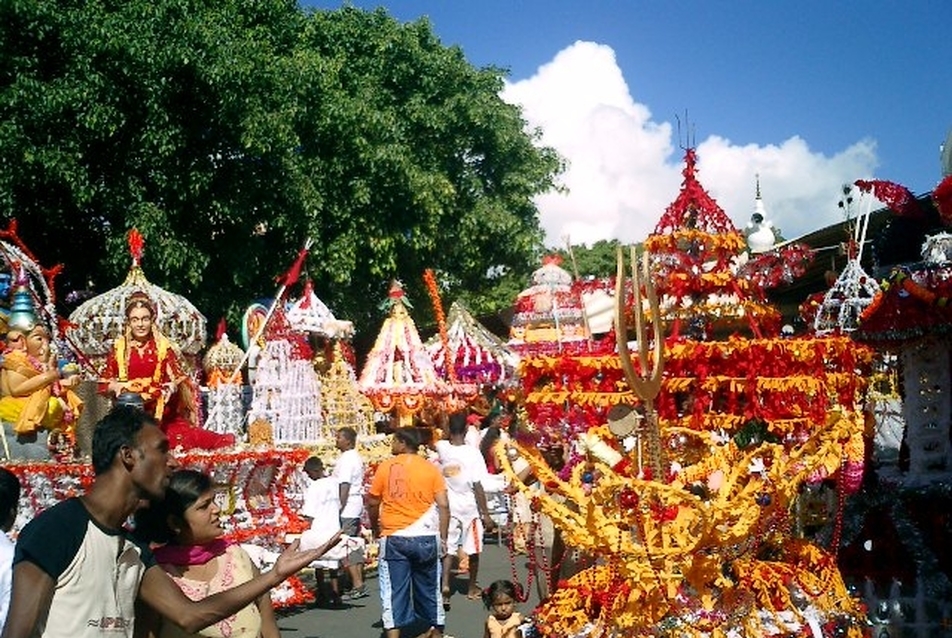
(490, 437)
(507, 587)
(185, 487)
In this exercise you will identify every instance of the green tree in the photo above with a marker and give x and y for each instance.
(228, 131)
(598, 260)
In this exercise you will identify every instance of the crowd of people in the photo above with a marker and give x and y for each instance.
(79, 571)
(142, 551)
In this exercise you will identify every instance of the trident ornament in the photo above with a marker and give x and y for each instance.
(646, 384)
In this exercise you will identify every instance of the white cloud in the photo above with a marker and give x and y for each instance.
(624, 168)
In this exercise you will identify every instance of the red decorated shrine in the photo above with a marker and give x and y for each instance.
(729, 410)
(707, 284)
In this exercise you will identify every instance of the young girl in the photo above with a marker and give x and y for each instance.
(500, 599)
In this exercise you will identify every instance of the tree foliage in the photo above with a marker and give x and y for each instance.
(598, 260)
(228, 131)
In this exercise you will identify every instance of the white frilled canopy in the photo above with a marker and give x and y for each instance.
(310, 314)
(97, 322)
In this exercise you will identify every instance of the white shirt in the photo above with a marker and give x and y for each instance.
(6, 576)
(350, 469)
(463, 466)
(474, 436)
(321, 505)
(97, 572)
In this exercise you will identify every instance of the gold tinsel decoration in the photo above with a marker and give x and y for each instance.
(260, 434)
(342, 402)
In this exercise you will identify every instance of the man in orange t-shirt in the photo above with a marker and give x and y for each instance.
(409, 513)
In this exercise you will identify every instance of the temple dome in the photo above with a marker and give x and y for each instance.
(95, 324)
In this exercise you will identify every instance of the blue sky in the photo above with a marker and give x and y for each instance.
(808, 95)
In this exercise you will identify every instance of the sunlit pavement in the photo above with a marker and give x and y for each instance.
(362, 617)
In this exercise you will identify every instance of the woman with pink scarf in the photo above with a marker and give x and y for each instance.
(199, 561)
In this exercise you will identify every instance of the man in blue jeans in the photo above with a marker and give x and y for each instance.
(409, 513)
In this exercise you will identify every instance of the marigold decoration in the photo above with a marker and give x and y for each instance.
(685, 552)
(432, 289)
(399, 375)
(913, 316)
(710, 385)
(699, 544)
(912, 303)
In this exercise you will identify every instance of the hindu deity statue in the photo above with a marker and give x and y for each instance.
(144, 368)
(37, 402)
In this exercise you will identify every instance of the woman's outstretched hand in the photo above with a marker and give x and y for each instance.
(292, 560)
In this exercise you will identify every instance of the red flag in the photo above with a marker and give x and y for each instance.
(294, 273)
(222, 329)
(136, 245)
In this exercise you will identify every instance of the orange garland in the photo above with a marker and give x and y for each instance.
(430, 280)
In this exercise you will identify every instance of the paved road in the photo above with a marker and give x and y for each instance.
(362, 617)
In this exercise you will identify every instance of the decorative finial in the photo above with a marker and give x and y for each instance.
(136, 246)
(396, 296)
(396, 289)
(757, 176)
(22, 311)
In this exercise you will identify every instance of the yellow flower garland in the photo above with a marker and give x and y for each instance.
(660, 537)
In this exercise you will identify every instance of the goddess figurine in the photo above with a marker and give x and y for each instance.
(143, 363)
(36, 396)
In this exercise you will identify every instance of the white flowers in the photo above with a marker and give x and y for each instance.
(757, 466)
(720, 437)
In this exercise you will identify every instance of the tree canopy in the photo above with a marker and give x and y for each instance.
(229, 131)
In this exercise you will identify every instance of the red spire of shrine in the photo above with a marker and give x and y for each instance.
(694, 208)
(698, 254)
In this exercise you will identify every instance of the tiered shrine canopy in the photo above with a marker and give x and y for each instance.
(476, 355)
(702, 272)
(399, 375)
(701, 546)
(95, 324)
(550, 311)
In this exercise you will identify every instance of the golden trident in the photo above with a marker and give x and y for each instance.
(645, 385)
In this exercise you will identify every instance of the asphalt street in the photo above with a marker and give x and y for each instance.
(362, 617)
